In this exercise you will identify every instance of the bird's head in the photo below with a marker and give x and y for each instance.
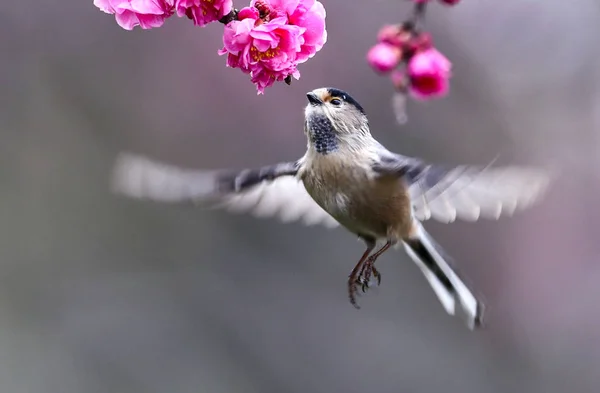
(333, 118)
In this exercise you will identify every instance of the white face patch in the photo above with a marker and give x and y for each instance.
(309, 110)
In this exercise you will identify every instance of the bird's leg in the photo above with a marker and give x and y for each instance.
(369, 267)
(353, 278)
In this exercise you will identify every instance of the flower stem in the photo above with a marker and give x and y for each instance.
(233, 15)
(419, 10)
(417, 16)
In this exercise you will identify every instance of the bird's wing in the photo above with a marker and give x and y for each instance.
(465, 192)
(265, 192)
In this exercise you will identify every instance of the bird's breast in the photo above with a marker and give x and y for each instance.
(361, 201)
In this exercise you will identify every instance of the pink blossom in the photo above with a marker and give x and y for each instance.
(203, 12)
(384, 57)
(270, 39)
(429, 73)
(308, 14)
(130, 13)
(266, 50)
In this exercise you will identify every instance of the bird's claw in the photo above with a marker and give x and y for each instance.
(363, 280)
(362, 277)
(352, 292)
(365, 275)
(377, 276)
(364, 286)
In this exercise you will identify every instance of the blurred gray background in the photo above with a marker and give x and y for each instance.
(102, 294)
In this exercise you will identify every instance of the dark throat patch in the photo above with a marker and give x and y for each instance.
(322, 134)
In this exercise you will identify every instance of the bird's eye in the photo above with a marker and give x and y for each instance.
(336, 102)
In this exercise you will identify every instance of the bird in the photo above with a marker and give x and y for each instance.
(347, 179)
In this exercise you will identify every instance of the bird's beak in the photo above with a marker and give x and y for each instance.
(313, 98)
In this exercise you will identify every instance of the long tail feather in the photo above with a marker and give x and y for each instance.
(444, 279)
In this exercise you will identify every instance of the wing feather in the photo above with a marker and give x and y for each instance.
(271, 191)
(465, 192)
(489, 193)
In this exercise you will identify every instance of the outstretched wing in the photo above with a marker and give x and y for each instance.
(465, 192)
(265, 192)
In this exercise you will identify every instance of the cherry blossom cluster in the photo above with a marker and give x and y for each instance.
(266, 40)
(407, 54)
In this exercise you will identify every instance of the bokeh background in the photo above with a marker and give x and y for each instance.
(103, 294)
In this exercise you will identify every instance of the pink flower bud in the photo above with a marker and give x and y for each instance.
(449, 2)
(429, 73)
(264, 9)
(384, 57)
(392, 34)
(420, 42)
(248, 12)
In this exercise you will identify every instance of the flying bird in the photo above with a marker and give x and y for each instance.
(346, 178)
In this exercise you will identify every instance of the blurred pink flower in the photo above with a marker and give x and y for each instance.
(393, 34)
(270, 39)
(130, 13)
(429, 73)
(419, 42)
(384, 57)
(203, 12)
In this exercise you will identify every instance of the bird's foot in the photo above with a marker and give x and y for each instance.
(363, 281)
(364, 269)
(368, 270)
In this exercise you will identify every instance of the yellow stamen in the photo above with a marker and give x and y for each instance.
(266, 55)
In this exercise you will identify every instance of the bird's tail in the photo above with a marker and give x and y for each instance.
(444, 279)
